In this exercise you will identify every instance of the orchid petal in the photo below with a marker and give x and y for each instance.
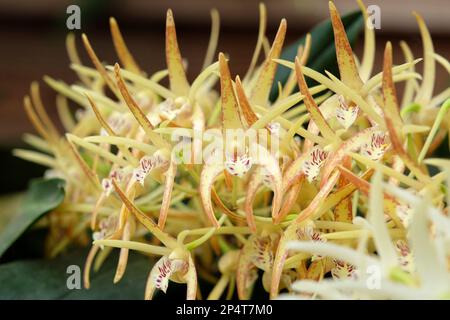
(393, 120)
(247, 111)
(169, 181)
(429, 69)
(261, 90)
(253, 186)
(122, 51)
(136, 111)
(178, 81)
(310, 104)
(369, 45)
(208, 175)
(347, 66)
(123, 257)
(145, 220)
(230, 110)
(98, 65)
(381, 237)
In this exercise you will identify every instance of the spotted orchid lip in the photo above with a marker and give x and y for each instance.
(313, 163)
(340, 184)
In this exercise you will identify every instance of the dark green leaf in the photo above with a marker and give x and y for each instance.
(322, 55)
(47, 279)
(18, 212)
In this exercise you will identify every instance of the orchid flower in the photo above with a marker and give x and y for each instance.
(312, 190)
(399, 279)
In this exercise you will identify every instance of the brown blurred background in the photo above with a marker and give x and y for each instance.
(32, 35)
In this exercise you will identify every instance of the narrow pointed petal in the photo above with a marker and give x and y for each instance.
(168, 187)
(344, 210)
(177, 75)
(294, 172)
(335, 198)
(337, 156)
(87, 266)
(90, 175)
(433, 136)
(303, 54)
(411, 83)
(99, 202)
(145, 220)
(137, 111)
(233, 216)
(150, 286)
(311, 105)
(34, 119)
(252, 188)
(125, 57)
(319, 198)
(123, 257)
(288, 201)
(97, 150)
(369, 45)
(272, 178)
(40, 109)
(346, 62)
(74, 58)
(280, 257)
(213, 39)
(100, 118)
(393, 120)
(191, 280)
(247, 111)
(260, 92)
(382, 240)
(98, 65)
(230, 110)
(390, 204)
(316, 270)
(208, 175)
(425, 92)
(261, 35)
(391, 107)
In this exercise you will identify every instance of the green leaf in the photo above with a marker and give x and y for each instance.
(323, 55)
(19, 211)
(44, 279)
(48, 279)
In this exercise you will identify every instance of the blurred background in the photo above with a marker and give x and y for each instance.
(32, 34)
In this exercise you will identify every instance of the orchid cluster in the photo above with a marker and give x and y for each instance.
(348, 186)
